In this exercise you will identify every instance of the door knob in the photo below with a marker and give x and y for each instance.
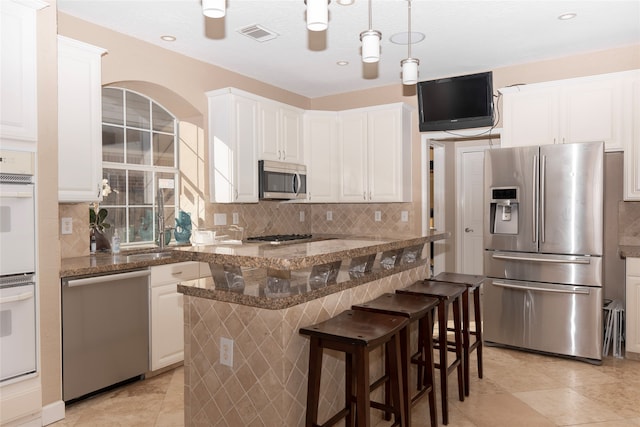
(468, 230)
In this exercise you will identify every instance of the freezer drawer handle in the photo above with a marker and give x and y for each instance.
(534, 288)
(552, 260)
(107, 278)
(20, 297)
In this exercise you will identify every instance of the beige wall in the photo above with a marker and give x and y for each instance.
(179, 84)
(48, 254)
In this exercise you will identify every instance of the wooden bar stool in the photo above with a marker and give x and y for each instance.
(473, 283)
(356, 333)
(448, 294)
(416, 309)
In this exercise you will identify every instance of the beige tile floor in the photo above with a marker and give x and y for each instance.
(518, 389)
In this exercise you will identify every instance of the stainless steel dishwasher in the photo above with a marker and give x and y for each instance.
(105, 331)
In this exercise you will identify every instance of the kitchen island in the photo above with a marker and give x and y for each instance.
(245, 363)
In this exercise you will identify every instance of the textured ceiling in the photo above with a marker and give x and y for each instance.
(461, 36)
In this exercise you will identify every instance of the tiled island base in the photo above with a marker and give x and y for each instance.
(267, 382)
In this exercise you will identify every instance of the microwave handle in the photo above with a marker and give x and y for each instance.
(296, 179)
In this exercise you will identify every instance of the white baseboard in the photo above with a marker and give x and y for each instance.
(52, 412)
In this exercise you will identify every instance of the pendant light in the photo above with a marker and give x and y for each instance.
(317, 14)
(409, 65)
(370, 42)
(214, 8)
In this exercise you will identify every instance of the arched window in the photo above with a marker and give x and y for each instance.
(139, 156)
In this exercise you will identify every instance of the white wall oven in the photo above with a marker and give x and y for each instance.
(18, 336)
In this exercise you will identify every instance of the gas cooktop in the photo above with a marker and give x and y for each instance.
(276, 239)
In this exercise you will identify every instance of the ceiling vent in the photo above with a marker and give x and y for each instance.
(258, 32)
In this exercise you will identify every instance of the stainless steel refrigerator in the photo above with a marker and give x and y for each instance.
(543, 249)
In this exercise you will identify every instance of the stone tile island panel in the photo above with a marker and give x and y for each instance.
(259, 298)
(267, 382)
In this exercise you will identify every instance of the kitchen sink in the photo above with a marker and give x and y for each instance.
(149, 256)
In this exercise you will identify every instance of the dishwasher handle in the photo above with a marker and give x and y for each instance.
(107, 278)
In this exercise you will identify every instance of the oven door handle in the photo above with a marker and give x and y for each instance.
(15, 298)
(536, 288)
(16, 195)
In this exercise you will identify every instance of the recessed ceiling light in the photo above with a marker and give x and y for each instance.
(342, 63)
(403, 38)
(168, 38)
(567, 16)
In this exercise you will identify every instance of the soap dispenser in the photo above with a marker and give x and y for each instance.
(115, 242)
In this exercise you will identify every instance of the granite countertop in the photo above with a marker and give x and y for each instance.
(295, 256)
(257, 255)
(629, 251)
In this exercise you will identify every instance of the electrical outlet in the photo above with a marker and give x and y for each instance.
(301, 216)
(404, 216)
(226, 351)
(378, 216)
(66, 225)
(219, 219)
(236, 218)
(329, 216)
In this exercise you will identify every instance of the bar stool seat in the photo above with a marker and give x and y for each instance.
(448, 294)
(473, 283)
(356, 333)
(416, 309)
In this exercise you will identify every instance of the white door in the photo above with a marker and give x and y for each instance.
(470, 211)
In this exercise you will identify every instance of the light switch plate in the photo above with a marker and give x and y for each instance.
(219, 219)
(329, 216)
(404, 216)
(378, 216)
(226, 351)
(236, 218)
(301, 216)
(66, 225)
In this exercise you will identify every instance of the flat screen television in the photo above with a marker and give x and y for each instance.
(456, 102)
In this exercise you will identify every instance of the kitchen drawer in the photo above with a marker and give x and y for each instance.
(173, 273)
(633, 266)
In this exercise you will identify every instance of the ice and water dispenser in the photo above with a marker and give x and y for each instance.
(504, 210)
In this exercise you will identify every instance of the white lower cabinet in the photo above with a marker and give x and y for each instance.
(632, 310)
(165, 308)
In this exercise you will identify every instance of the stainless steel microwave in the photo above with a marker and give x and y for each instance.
(282, 181)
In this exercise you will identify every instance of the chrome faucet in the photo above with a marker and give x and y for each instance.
(161, 224)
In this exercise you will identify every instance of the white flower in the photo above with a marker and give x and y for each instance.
(106, 188)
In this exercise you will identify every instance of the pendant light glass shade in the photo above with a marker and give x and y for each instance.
(370, 42)
(317, 15)
(410, 71)
(214, 8)
(370, 45)
(409, 65)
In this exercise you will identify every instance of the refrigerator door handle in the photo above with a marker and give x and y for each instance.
(535, 288)
(551, 260)
(534, 201)
(543, 173)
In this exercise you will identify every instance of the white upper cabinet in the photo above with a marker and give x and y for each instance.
(79, 121)
(18, 83)
(322, 156)
(233, 146)
(574, 110)
(632, 150)
(375, 154)
(280, 132)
